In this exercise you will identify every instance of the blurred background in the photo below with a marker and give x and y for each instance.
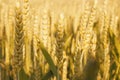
(67, 6)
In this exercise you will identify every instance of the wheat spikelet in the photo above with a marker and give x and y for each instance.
(17, 61)
(60, 41)
(37, 69)
(77, 66)
(113, 25)
(45, 27)
(112, 20)
(84, 36)
(93, 45)
(91, 21)
(59, 37)
(45, 33)
(18, 51)
(27, 37)
(36, 32)
(52, 37)
(84, 17)
(106, 53)
(86, 25)
(105, 42)
(27, 19)
(92, 17)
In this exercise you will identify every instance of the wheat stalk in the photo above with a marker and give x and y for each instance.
(65, 65)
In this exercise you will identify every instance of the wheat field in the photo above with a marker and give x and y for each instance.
(59, 40)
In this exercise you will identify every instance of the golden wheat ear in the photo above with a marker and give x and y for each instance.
(60, 42)
(17, 61)
(26, 11)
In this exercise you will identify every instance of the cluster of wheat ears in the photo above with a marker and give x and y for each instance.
(41, 44)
